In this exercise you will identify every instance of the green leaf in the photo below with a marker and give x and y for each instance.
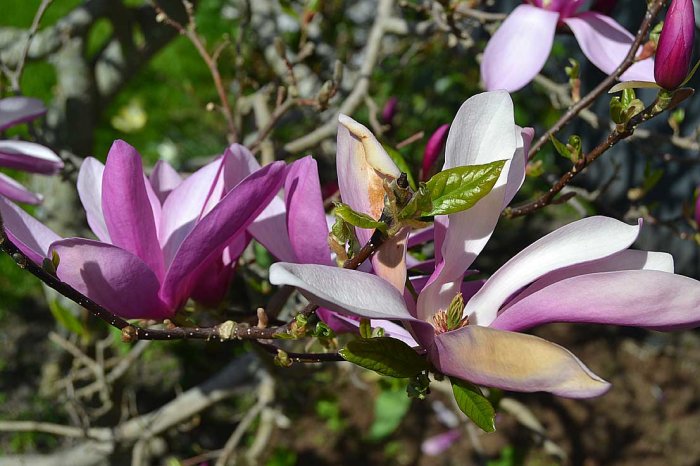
(66, 318)
(560, 147)
(475, 405)
(401, 164)
(459, 188)
(358, 219)
(384, 355)
(390, 408)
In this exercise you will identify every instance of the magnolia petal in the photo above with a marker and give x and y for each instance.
(31, 236)
(352, 324)
(90, 193)
(581, 241)
(437, 444)
(513, 361)
(112, 277)
(519, 48)
(218, 229)
(30, 157)
(483, 131)
(270, 230)
(127, 208)
(605, 43)
(422, 236)
(306, 218)
(184, 206)
(624, 260)
(389, 262)
(164, 178)
(362, 165)
(516, 171)
(14, 191)
(349, 291)
(16, 110)
(639, 298)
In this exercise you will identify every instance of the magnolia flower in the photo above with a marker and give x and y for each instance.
(158, 239)
(675, 49)
(23, 155)
(520, 47)
(582, 272)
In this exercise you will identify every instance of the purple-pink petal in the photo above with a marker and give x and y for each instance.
(164, 178)
(14, 191)
(605, 43)
(31, 236)
(127, 208)
(112, 277)
(640, 298)
(219, 228)
(29, 157)
(306, 218)
(16, 110)
(185, 204)
(519, 48)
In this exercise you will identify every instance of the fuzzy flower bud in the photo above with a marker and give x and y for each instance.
(675, 49)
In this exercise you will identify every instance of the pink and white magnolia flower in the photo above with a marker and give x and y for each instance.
(520, 47)
(159, 239)
(582, 272)
(22, 155)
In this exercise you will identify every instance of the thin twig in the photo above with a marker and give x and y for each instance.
(606, 84)
(16, 76)
(616, 136)
(190, 31)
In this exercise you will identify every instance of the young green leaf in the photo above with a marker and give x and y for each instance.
(475, 405)
(358, 219)
(459, 188)
(384, 355)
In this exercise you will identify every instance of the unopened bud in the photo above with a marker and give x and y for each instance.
(433, 149)
(675, 50)
(389, 111)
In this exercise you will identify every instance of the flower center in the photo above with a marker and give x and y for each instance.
(451, 318)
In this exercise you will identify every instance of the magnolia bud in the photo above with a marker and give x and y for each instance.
(433, 149)
(675, 48)
(389, 111)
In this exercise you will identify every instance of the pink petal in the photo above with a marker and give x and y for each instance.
(185, 205)
(349, 291)
(640, 298)
(127, 209)
(513, 361)
(218, 229)
(90, 192)
(389, 262)
(14, 191)
(605, 43)
(112, 277)
(578, 242)
(362, 165)
(212, 285)
(628, 259)
(519, 48)
(306, 218)
(30, 157)
(164, 178)
(32, 237)
(16, 110)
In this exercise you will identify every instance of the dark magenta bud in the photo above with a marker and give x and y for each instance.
(389, 110)
(433, 149)
(675, 49)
